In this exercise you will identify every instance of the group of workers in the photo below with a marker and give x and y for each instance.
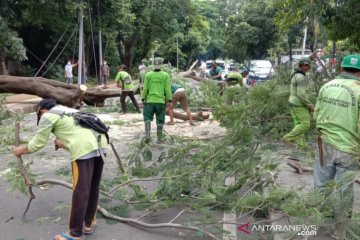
(158, 94)
(337, 122)
(336, 112)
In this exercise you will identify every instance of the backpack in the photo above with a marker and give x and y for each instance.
(127, 79)
(91, 121)
(86, 120)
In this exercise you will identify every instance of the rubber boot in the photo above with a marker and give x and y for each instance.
(159, 133)
(147, 131)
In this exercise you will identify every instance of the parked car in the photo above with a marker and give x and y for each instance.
(296, 54)
(263, 69)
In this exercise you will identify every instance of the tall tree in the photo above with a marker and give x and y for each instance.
(251, 31)
(138, 23)
(340, 18)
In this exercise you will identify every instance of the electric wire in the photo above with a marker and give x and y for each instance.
(51, 52)
(75, 29)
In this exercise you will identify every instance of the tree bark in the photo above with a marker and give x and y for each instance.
(199, 116)
(65, 94)
(3, 68)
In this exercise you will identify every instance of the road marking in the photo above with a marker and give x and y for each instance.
(228, 218)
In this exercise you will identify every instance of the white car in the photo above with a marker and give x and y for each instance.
(263, 69)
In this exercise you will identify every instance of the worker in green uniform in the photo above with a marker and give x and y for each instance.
(156, 93)
(300, 105)
(87, 149)
(337, 121)
(179, 95)
(233, 78)
(124, 82)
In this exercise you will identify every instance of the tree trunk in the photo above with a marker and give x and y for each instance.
(65, 94)
(128, 55)
(3, 68)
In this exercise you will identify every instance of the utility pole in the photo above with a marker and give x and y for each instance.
(305, 36)
(177, 52)
(81, 36)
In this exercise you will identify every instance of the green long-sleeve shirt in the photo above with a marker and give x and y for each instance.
(337, 113)
(156, 87)
(78, 140)
(300, 90)
(121, 75)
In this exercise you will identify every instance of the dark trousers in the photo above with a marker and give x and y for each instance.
(155, 108)
(86, 185)
(131, 95)
(104, 79)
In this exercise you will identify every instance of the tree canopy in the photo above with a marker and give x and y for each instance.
(189, 29)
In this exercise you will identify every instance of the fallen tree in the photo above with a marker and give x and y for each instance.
(65, 94)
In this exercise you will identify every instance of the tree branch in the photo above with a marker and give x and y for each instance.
(22, 169)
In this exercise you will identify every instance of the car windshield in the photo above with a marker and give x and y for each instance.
(260, 64)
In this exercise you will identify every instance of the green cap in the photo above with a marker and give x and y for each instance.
(305, 60)
(158, 63)
(351, 61)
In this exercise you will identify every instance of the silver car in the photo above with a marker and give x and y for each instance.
(263, 69)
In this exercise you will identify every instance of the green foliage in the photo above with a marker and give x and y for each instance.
(263, 108)
(7, 129)
(251, 31)
(3, 114)
(13, 176)
(10, 43)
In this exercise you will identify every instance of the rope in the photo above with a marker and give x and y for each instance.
(61, 51)
(93, 44)
(36, 57)
(51, 52)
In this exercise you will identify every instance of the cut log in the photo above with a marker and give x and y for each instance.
(199, 116)
(65, 94)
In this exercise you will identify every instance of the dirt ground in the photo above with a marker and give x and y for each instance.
(48, 214)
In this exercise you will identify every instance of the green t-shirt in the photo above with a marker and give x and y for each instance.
(337, 113)
(300, 90)
(218, 70)
(122, 76)
(156, 87)
(78, 140)
(175, 87)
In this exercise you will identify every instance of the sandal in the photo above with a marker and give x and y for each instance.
(89, 230)
(67, 236)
